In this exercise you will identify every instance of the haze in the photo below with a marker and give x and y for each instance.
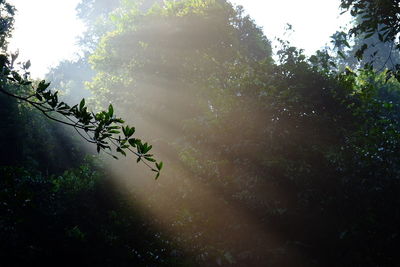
(176, 133)
(44, 26)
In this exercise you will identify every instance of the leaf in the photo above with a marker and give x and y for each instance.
(121, 151)
(388, 105)
(16, 76)
(128, 132)
(27, 65)
(146, 148)
(150, 159)
(55, 97)
(3, 60)
(132, 142)
(110, 110)
(82, 104)
(131, 131)
(159, 165)
(42, 86)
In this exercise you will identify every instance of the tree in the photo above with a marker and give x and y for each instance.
(376, 19)
(369, 52)
(293, 149)
(7, 12)
(286, 163)
(167, 57)
(183, 65)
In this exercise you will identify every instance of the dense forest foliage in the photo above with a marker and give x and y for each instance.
(271, 159)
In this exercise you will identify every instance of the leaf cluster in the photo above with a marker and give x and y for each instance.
(103, 129)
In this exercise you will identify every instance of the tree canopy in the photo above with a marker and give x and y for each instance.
(378, 24)
(270, 159)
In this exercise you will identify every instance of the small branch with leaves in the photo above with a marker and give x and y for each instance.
(103, 129)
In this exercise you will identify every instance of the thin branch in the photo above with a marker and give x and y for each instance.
(76, 124)
(88, 140)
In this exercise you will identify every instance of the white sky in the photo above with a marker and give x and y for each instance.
(313, 21)
(46, 31)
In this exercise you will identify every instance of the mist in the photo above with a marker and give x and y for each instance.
(271, 157)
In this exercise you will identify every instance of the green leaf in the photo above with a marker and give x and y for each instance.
(133, 142)
(387, 105)
(121, 151)
(145, 148)
(82, 104)
(128, 132)
(159, 165)
(150, 159)
(131, 131)
(3, 60)
(16, 76)
(110, 110)
(42, 86)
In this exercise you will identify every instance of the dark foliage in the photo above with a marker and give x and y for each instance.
(287, 163)
(74, 219)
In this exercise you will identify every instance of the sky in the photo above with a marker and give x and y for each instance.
(313, 21)
(46, 31)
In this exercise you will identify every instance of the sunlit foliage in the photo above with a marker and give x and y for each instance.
(288, 143)
(292, 162)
